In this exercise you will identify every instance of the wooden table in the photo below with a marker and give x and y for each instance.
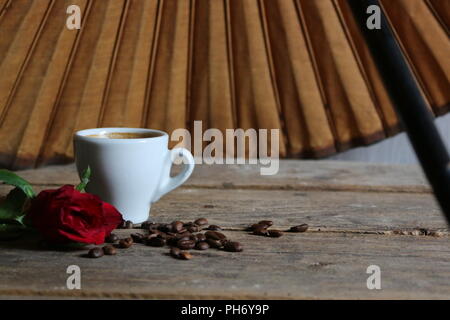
(359, 215)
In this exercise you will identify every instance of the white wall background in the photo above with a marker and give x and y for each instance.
(392, 150)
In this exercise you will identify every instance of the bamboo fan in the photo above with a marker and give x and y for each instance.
(300, 66)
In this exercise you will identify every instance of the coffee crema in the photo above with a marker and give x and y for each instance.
(125, 135)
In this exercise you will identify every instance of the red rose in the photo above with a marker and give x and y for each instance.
(65, 214)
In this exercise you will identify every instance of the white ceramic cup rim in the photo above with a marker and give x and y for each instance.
(83, 135)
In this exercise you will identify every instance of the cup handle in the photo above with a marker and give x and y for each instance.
(169, 183)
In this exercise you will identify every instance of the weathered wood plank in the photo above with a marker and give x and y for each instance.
(309, 265)
(325, 210)
(293, 174)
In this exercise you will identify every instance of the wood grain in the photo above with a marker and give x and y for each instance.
(359, 215)
(292, 175)
(295, 266)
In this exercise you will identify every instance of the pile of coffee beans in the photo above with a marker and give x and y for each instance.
(184, 236)
(179, 236)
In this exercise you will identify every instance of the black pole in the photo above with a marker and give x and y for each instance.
(409, 102)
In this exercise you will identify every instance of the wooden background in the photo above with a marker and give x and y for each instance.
(297, 65)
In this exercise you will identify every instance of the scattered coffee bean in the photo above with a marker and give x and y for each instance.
(177, 226)
(153, 227)
(251, 227)
(137, 237)
(214, 243)
(175, 252)
(208, 206)
(166, 227)
(156, 242)
(185, 244)
(275, 233)
(215, 235)
(145, 225)
(95, 253)
(200, 237)
(109, 250)
(201, 221)
(299, 228)
(125, 243)
(193, 228)
(172, 241)
(183, 230)
(162, 235)
(184, 234)
(266, 223)
(233, 246)
(128, 224)
(202, 245)
(111, 238)
(260, 230)
(184, 255)
(214, 227)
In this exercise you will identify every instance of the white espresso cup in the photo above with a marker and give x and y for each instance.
(129, 173)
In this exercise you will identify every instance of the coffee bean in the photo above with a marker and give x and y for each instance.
(162, 235)
(145, 225)
(260, 230)
(154, 231)
(266, 223)
(125, 243)
(184, 255)
(208, 206)
(111, 238)
(172, 241)
(153, 226)
(156, 242)
(175, 252)
(213, 227)
(184, 234)
(109, 250)
(214, 243)
(233, 246)
(201, 221)
(137, 237)
(214, 235)
(275, 233)
(200, 237)
(95, 253)
(149, 236)
(177, 226)
(193, 229)
(299, 228)
(166, 227)
(185, 244)
(128, 224)
(202, 245)
(186, 237)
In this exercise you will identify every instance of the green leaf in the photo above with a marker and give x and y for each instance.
(13, 179)
(84, 179)
(12, 208)
(11, 231)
